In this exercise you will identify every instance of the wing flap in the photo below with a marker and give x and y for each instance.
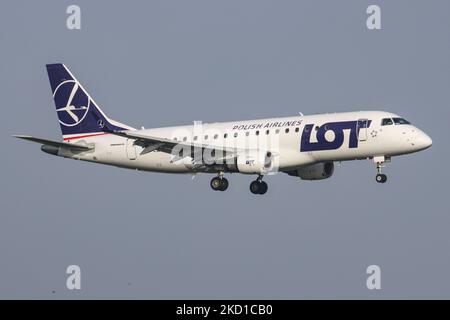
(150, 143)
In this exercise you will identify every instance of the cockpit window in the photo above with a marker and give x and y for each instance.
(400, 121)
(386, 122)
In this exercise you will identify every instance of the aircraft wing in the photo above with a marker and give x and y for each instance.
(150, 143)
(72, 146)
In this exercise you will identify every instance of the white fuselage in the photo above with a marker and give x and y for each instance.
(280, 136)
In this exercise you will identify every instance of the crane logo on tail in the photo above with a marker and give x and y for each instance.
(72, 103)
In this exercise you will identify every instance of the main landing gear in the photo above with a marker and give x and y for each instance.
(258, 186)
(380, 161)
(219, 183)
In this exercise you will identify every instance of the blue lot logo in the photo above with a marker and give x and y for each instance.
(338, 129)
(72, 103)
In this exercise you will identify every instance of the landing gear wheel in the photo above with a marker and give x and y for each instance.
(258, 187)
(224, 185)
(216, 183)
(219, 184)
(263, 187)
(254, 187)
(381, 178)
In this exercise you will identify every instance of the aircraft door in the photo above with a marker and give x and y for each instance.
(131, 149)
(361, 129)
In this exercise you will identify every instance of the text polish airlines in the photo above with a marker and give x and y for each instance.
(301, 146)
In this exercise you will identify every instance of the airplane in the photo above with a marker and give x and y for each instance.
(303, 146)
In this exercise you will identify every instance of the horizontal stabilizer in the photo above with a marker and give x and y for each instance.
(72, 146)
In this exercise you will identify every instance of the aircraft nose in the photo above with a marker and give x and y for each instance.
(423, 141)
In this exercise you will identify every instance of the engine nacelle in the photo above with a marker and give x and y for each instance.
(318, 171)
(254, 162)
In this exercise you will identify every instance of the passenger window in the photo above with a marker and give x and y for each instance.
(185, 138)
(216, 136)
(206, 137)
(257, 132)
(287, 130)
(235, 134)
(386, 122)
(225, 135)
(247, 133)
(267, 131)
(297, 129)
(277, 131)
(195, 138)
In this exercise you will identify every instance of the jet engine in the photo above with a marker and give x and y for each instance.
(318, 171)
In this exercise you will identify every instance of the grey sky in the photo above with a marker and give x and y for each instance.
(158, 63)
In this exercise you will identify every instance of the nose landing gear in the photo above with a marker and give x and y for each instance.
(380, 161)
(381, 178)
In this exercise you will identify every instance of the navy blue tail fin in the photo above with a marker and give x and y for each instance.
(78, 114)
